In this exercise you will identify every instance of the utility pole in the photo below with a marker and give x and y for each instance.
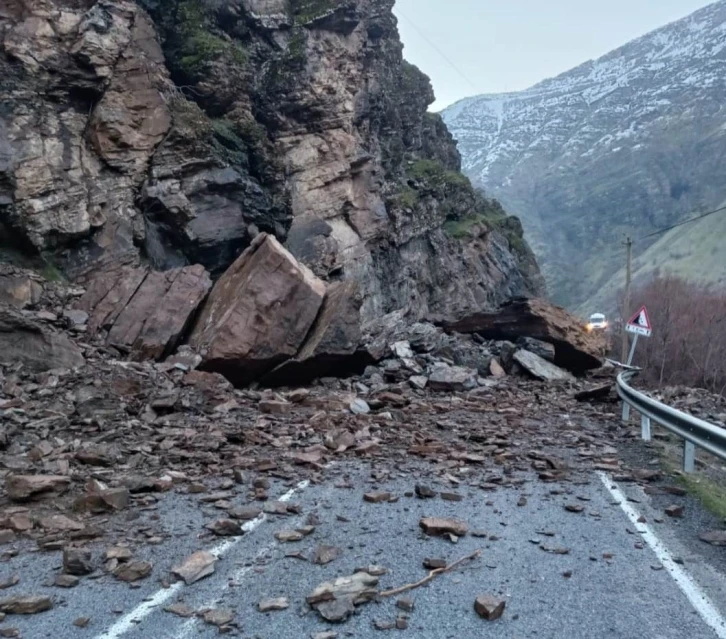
(626, 302)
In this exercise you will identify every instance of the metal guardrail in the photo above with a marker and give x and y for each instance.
(696, 432)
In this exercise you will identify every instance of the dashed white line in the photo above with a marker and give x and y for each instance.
(131, 620)
(699, 599)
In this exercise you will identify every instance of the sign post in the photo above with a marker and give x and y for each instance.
(639, 325)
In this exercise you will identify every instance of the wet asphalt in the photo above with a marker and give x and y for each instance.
(607, 585)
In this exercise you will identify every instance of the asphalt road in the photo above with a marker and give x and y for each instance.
(617, 584)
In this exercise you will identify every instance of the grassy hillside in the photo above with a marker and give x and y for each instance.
(696, 252)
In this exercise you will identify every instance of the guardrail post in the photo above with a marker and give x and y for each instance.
(626, 412)
(689, 457)
(645, 428)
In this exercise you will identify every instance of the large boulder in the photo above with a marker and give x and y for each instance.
(332, 346)
(259, 313)
(575, 348)
(144, 312)
(33, 344)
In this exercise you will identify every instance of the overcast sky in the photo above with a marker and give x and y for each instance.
(507, 45)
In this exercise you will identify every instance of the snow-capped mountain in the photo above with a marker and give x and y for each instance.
(629, 143)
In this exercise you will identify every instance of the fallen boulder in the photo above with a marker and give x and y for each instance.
(144, 312)
(575, 348)
(332, 344)
(258, 314)
(34, 345)
(541, 368)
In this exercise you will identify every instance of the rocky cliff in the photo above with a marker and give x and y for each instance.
(630, 143)
(159, 135)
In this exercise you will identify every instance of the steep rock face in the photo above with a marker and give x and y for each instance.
(174, 133)
(630, 143)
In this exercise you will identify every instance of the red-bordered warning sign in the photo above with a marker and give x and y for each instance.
(640, 323)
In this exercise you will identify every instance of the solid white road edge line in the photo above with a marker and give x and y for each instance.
(699, 599)
(131, 620)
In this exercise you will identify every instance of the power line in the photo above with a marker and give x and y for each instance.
(432, 44)
(674, 226)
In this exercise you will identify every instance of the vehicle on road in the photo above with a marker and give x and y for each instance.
(597, 322)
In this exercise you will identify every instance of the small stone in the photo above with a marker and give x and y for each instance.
(714, 537)
(218, 617)
(377, 498)
(133, 571)
(567, 574)
(359, 407)
(489, 608)
(180, 610)
(329, 634)
(9, 582)
(674, 511)
(434, 564)
(522, 501)
(25, 605)
(288, 536)
(7, 536)
(195, 567)
(82, 622)
(66, 581)
(77, 561)
(325, 554)
(406, 604)
(574, 508)
(268, 605)
(9, 632)
(424, 492)
(244, 513)
(384, 625)
(120, 553)
(436, 527)
(225, 528)
(451, 497)
(376, 571)
(401, 623)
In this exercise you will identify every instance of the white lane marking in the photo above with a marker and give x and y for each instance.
(131, 620)
(699, 599)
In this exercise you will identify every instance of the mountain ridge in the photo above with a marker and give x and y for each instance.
(625, 144)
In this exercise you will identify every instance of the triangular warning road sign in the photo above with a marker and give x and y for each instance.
(640, 323)
(641, 319)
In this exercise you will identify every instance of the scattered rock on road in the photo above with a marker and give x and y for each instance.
(133, 571)
(489, 608)
(437, 527)
(674, 511)
(195, 567)
(180, 610)
(325, 554)
(77, 561)
(225, 528)
(377, 498)
(218, 617)
(335, 601)
(269, 605)
(25, 604)
(714, 537)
